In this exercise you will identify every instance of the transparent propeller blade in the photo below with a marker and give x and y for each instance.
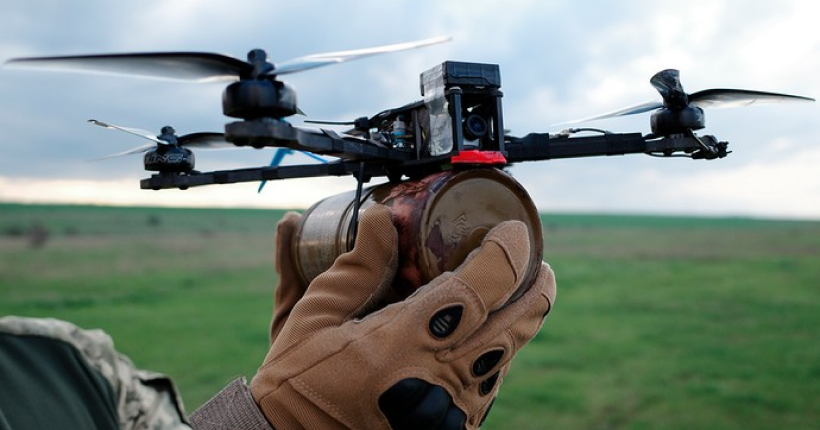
(314, 156)
(632, 110)
(723, 98)
(179, 66)
(135, 131)
(278, 156)
(139, 149)
(318, 60)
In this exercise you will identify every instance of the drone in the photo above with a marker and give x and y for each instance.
(458, 123)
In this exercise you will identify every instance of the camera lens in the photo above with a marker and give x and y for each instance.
(475, 127)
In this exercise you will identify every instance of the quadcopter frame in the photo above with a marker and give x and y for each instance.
(458, 124)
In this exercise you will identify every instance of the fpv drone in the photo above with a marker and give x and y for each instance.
(457, 124)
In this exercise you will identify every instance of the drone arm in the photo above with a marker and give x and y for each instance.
(538, 146)
(324, 142)
(182, 182)
(541, 146)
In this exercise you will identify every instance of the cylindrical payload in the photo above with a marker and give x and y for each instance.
(440, 219)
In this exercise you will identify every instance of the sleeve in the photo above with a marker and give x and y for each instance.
(232, 408)
(140, 399)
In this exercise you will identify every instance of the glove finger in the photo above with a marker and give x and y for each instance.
(495, 270)
(482, 361)
(506, 331)
(356, 281)
(290, 287)
(450, 308)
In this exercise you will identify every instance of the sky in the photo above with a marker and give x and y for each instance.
(560, 60)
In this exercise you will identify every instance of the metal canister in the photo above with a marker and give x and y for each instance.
(439, 219)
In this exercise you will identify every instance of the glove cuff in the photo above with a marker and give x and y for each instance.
(231, 408)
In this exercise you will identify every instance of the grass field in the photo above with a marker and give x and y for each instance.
(661, 322)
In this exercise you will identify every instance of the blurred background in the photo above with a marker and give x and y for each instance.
(689, 291)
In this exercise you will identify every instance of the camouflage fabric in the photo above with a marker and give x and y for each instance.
(145, 400)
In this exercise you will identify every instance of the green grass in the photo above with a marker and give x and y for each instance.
(660, 323)
(182, 291)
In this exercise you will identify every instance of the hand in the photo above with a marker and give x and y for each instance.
(434, 360)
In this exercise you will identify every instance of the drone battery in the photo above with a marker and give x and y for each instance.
(465, 75)
(440, 219)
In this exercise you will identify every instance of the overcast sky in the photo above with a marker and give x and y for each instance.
(560, 60)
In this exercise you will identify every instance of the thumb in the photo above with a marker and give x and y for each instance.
(356, 281)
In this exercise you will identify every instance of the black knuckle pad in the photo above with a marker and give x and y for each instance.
(404, 395)
(445, 321)
(455, 419)
(487, 362)
(486, 386)
(431, 410)
(412, 403)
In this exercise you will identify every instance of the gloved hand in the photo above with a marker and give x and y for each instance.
(432, 361)
(290, 288)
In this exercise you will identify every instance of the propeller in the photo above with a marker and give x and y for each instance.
(255, 92)
(667, 82)
(203, 140)
(205, 67)
(167, 137)
(678, 106)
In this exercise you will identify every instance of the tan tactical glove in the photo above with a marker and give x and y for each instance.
(432, 361)
(290, 288)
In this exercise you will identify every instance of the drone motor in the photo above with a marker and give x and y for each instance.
(258, 94)
(169, 159)
(667, 121)
(168, 153)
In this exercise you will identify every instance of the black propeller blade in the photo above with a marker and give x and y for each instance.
(205, 140)
(724, 98)
(667, 82)
(180, 66)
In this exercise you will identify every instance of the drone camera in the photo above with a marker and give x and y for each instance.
(463, 101)
(460, 110)
(475, 127)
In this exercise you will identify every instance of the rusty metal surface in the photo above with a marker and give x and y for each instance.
(440, 219)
